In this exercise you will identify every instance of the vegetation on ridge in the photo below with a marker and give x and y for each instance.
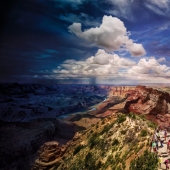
(118, 144)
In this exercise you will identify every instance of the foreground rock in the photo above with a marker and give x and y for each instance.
(49, 155)
(20, 141)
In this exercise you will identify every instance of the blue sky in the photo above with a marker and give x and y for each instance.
(84, 41)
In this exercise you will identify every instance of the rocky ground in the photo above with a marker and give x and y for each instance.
(110, 144)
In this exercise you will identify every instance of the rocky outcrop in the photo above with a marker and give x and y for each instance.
(145, 100)
(114, 102)
(150, 102)
(20, 141)
(122, 91)
(49, 155)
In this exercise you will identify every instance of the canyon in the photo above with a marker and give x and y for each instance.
(33, 114)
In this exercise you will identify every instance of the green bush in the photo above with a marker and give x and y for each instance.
(148, 161)
(143, 133)
(109, 161)
(123, 132)
(89, 161)
(121, 118)
(152, 125)
(132, 115)
(105, 129)
(115, 142)
(143, 117)
(77, 149)
(119, 168)
(93, 140)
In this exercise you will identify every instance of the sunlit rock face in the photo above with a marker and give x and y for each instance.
(122, 91)
(153, 103)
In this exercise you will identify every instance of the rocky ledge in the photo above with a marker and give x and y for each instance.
(153, 103)
(49, 155)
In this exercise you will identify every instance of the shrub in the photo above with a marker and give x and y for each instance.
(143, 133)
(90, 161)
(143, 117)
(152, 125)
(115, 142)
(97, 126)
(119, 168)
(93, 140)
(123, 132)
(124, 165)
(132, 115)
(77, 149)
(91, 131)
(109, 161)
(148, 161)
(121, 118)
(105, 129)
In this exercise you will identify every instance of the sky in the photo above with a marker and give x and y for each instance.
(85, 41)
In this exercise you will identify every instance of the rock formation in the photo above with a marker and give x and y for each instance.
(153, 103)
(49, 155)
(122, 91)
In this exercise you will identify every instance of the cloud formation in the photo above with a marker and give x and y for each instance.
(162, 59)
(111, 66)
(149, 69)
(102, 64)
(73, 3)
(159, 7)
(111, 35)
(122, 9)
(82, 17)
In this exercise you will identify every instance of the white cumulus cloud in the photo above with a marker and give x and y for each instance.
(105, 66)
(100, 65)
(146, 69)
(162, 59)
(136, 49)
(111, 35)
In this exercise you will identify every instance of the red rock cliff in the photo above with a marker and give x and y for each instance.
(151, 102)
